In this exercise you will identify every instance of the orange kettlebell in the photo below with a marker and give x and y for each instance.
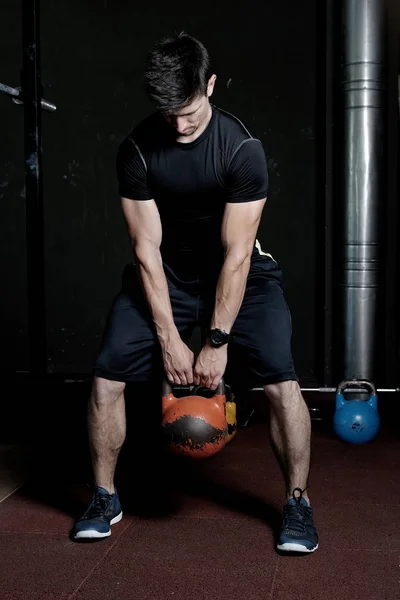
(195, 426)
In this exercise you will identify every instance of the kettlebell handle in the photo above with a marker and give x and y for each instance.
(167, 388)
(360, 383)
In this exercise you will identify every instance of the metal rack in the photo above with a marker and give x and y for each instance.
(29, 95)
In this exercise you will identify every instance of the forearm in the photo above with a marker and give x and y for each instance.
(230, 291)
(156, 291)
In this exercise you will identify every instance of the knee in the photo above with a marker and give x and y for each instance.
(106, 391)
(283, 393)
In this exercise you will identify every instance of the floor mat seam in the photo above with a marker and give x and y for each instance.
(100, 561)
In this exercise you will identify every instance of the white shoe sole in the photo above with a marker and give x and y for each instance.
(92, 534)
(292, 547)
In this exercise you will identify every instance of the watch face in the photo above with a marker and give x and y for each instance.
(218, 338)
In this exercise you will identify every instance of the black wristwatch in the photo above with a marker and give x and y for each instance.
(219, 337)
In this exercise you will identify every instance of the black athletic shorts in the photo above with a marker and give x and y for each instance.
(261, 353)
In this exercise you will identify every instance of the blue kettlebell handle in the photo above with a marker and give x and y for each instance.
(358, 383)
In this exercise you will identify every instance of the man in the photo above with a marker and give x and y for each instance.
(193, 184)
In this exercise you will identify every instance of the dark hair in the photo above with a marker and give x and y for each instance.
(177, 70)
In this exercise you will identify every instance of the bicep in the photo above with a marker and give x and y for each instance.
(240, 224)
(144, 224)
(247, 176)
(132, 172)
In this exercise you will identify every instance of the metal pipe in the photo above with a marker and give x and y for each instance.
(333, 390)
(10, 91)
(33, 186)
(363, 88)
(17, 96)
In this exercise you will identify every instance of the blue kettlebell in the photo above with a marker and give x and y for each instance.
(356, 421)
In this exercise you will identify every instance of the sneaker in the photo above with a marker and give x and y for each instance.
(103, 511)
(298, 531)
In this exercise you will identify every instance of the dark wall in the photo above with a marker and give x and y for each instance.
(92, 66)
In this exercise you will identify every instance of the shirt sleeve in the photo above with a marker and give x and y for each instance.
(248, 173)
(132, 172)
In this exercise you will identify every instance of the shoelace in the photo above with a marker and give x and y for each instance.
(297, 514)
(98, 506)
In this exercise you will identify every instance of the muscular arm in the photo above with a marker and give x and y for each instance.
(145, 232)
(144, 227)
(239, 230)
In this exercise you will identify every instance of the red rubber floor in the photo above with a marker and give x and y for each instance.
(208, 530)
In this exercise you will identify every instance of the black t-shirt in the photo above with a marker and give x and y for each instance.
(191, 183)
